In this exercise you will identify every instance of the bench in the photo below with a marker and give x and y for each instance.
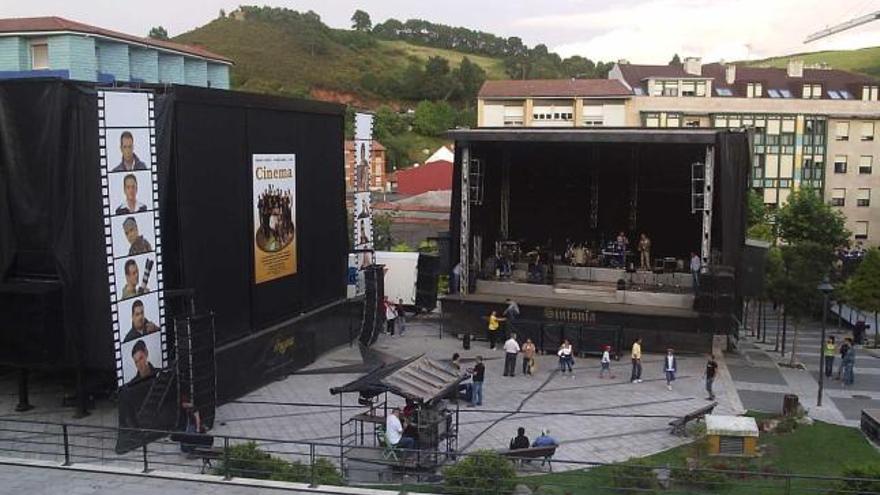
(519, 455)
(206, 454)
(679, 425)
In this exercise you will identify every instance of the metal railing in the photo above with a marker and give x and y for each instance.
(319, 463)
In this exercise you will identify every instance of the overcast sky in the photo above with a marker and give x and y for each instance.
(642, 31)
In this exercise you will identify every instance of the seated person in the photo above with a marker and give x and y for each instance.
(545, 440)
(409, 408)
(394, 431)
(410, 430)
(520, 441)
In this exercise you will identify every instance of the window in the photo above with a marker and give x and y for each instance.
(840, 164)
(673, 120)
(785, 93)
(754, 90)
(846, 95)
(701, 88)
(771, 196)
(669, 88)
(723, 92)
(652, 120)
(866, 164)
(867, 131)
(834, 95)
(838, 197)
(593, 115)
(813, 91)
(773, 93)
(842, 131)
(639, 91)
(513, 115)
(688, 88)
(861, 230)
(721, 121)
(869, 93)
(692, 122)
(39, 56)
(863, 200)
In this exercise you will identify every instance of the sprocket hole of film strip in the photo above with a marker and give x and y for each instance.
(119, 127)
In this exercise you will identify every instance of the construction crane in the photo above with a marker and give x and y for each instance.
(858, 21)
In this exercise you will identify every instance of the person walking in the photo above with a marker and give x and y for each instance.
(844, 348)
(566, 359)
(670, 368)
(828, 352)
(636, 356)
(849, 363)
(606, 363)
(478, 374)
(400, 321)
(494, 323)
(696, 265)
(390, 316)
(711, 370)
(511, 313)
(528, 351)
(511, 349)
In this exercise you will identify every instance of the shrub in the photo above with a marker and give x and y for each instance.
(633, 476)
(699, 478)
(868, 480)
(484, 472)
(246, 460)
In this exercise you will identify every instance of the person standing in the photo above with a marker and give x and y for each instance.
(844, 348)
(528, 350)
(494, 323)
(670, 368)
(849, 363)
(859, 332)
(511, 349)
(696, 265)
(566, 359)
(645, 252)
(456, 278)
(511, 313)
(390, 316)
(478, 373)
(636, 356)
(711, 370)
(828, 352)
(400, 321)
(606, 363)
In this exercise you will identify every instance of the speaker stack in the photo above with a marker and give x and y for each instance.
(373, 315)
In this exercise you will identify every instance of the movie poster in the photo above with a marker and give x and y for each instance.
(274, 216)
(129, 186)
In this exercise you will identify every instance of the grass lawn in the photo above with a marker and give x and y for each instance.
(494, 67)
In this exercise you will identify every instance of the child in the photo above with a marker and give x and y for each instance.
(669, 367)
(606, 363)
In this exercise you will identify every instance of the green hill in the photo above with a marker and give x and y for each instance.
(288, 53)
(865, 61)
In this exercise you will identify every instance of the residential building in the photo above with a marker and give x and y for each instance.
(378, 178)
(56, 47)
(813, 127)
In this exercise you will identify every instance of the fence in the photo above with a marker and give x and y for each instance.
(474, 474)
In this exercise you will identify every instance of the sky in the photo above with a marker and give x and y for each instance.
(641, 31)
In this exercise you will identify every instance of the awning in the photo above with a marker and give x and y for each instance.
(418, 378)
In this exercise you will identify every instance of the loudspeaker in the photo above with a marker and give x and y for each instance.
(724, 303)
(33, 326)
(725, 283)
(373, 316)
(751, 273)
(707, 283)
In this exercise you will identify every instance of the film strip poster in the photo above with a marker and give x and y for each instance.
(363, 210)
(133, 237)
(274, 205)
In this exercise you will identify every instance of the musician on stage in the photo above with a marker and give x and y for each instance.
(622, 243)
(645, 252)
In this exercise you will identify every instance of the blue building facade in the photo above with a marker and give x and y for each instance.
(54, 47)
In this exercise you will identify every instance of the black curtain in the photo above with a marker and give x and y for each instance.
(733, 157)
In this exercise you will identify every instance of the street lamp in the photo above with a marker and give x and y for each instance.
(825, 288)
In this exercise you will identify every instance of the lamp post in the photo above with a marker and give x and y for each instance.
(825, 288)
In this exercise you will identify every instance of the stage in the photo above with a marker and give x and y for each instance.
(551, 217)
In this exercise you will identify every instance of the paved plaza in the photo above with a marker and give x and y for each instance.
(595, 420)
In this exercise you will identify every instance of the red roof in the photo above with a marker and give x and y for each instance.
(553, 87)
(54, 24)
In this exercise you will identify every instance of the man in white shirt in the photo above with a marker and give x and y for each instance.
(131, 204)
(511, 349)
(394, 431)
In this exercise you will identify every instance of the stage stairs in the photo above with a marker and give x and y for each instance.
(597, 292)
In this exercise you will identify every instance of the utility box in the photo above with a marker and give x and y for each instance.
(732, 435)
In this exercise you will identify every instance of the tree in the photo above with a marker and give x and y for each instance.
(862, 290)
(158, 33)
(470, 78)
(675, 60)
(434, 118)
(388, 123)
(760, 225)
(222, 14)
(382, 240)
(360, 21)
(807, 218)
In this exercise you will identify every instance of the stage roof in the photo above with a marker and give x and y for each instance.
(417, 378)
(587, 135)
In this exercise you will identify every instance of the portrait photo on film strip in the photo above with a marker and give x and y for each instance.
(141, 357)
(133, 234)
(130, 192)
(135, 276)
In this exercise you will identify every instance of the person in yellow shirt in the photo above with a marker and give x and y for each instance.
(637, 361)
(828, 352)
(494, 324)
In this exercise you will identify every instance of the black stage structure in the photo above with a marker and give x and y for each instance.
(53, 273)
(523, 197)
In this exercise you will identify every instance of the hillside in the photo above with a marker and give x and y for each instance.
(298, 58)
(865, 61)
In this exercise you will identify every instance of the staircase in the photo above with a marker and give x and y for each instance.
(606, 293)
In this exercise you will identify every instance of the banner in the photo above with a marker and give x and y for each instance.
(274, 208)
(133, 241)
(363, 211)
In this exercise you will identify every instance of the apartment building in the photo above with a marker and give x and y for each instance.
(813, 127)
(56, 47)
